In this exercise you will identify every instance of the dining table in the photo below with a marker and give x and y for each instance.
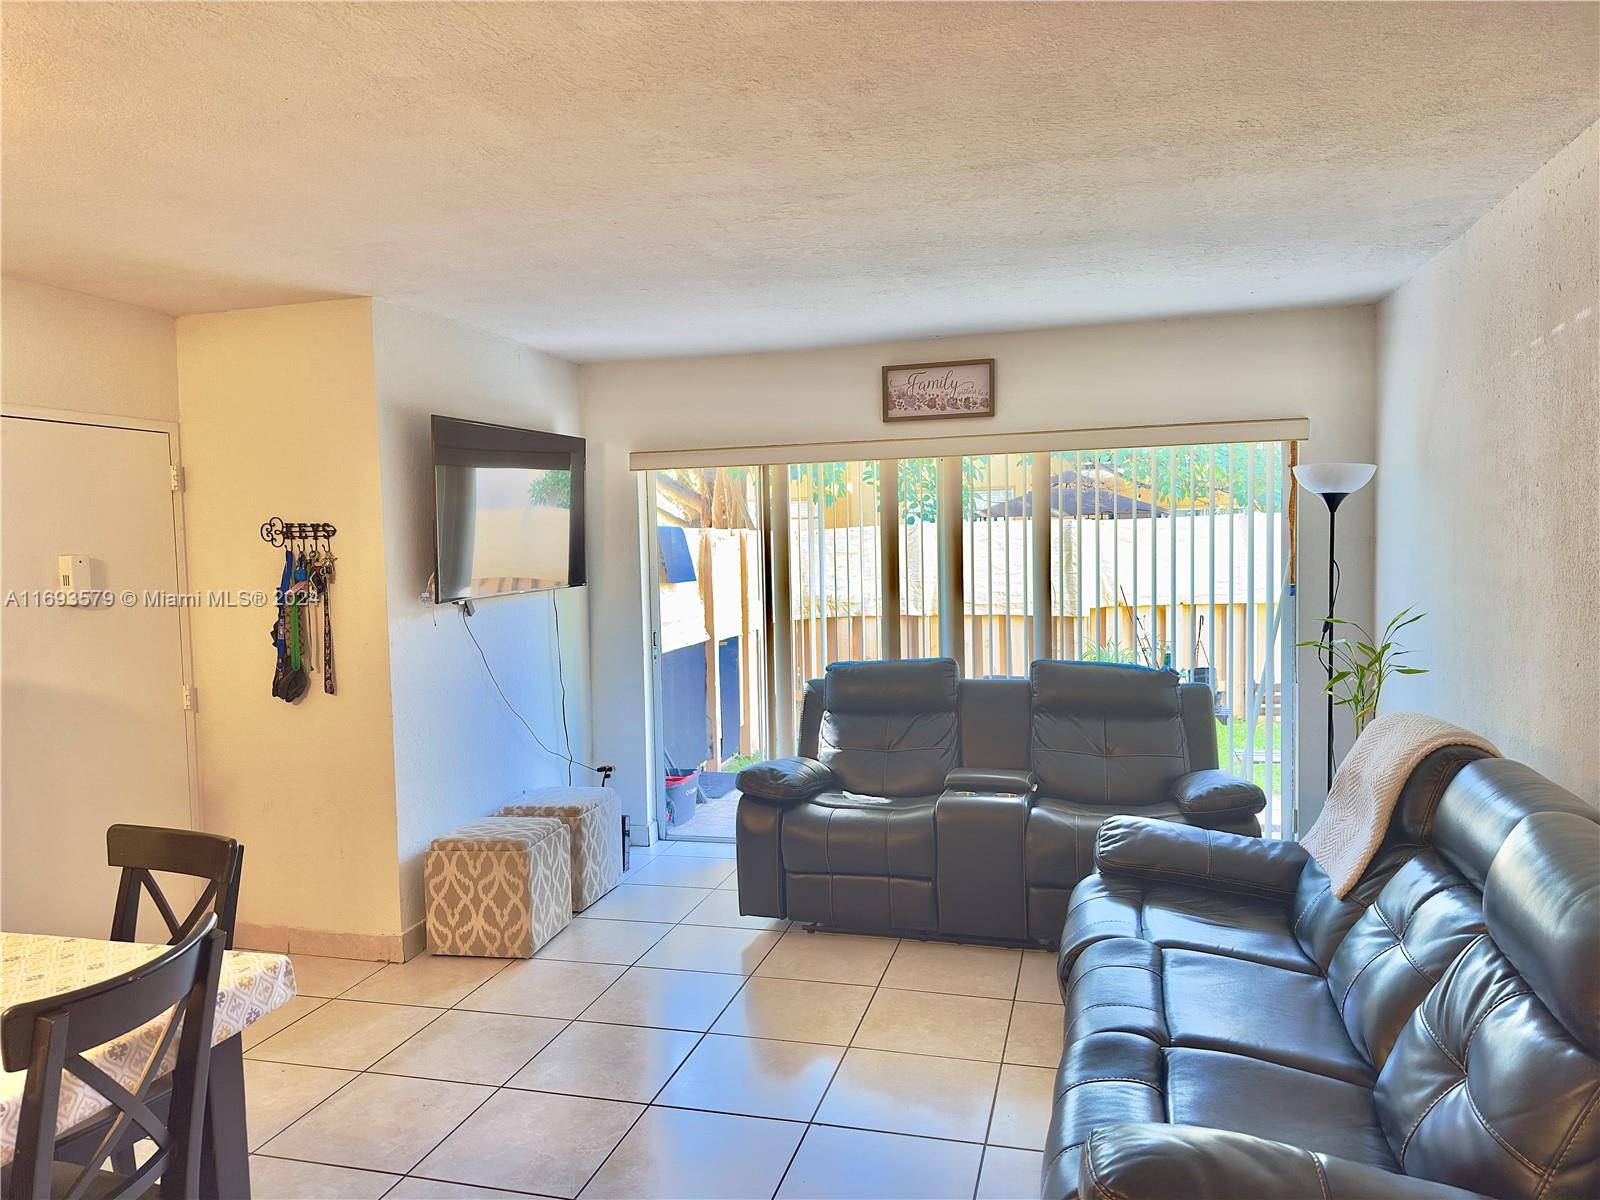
(251, 985)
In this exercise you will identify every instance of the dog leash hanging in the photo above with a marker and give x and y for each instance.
(307, 581)
(323, 576)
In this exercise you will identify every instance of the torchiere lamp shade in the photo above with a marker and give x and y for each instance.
(1334, 479)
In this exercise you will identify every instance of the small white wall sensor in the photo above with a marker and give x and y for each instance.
(74, 574)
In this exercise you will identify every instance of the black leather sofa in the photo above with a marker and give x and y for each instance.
(922, 803)
(1233, 1030)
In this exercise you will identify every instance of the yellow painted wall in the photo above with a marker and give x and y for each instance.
(279, 415)
(64, 349)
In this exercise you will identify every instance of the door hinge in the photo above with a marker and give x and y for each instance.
(189, 703)
(177, 477)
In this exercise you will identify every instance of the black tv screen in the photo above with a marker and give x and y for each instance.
(508, 510)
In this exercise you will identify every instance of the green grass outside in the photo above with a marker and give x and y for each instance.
(1269, 734)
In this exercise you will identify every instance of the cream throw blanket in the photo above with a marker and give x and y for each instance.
(1367, 786)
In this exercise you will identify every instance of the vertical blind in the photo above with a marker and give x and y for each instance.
(1173, 556)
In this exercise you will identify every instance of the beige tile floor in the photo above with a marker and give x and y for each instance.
(662, 1046)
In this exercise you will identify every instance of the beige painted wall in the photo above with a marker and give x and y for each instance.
(279, 416)
(1489, 445)
(459, 754)
(63, 349)
(1316, 363)
(319, 412)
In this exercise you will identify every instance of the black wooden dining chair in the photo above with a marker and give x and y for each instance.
(142, 849)
(49, 1037)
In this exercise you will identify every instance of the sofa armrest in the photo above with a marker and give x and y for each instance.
(1158, 1162)
(1177, 853)
(999, 780)
(1213, 797)
(785, 780)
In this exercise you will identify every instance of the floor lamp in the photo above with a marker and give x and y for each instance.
(1333, 482)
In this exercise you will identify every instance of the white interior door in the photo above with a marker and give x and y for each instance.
(91, 697)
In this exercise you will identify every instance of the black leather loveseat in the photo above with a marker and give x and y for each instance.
(923, 803)
(1233, 1030)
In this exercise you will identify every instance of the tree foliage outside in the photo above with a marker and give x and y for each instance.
(551, 489)
(1204, 475)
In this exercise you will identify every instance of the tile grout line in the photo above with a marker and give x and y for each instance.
(811, 1122)
(493, 1091)
(367, 1070)
(698, 1041)
(566, 1023)
(994, 1101)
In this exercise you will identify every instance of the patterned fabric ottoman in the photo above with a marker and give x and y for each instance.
(498, 888)
(594, 814)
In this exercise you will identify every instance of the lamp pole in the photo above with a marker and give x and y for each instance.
(1333, 499)
(1332, 482)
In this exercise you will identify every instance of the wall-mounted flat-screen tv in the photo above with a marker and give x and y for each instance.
(508, 510)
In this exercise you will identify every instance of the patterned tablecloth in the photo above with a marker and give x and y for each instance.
(34, 965)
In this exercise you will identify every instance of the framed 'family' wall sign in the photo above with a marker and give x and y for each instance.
(917, 391)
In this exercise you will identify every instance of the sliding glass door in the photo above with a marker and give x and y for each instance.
(998, 567)
(1178, 557)
(712, 674)
(1172, 557)
(836, 566)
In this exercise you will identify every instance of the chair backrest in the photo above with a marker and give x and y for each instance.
(1106, 734)
(891, 728)
(142, 849)
(49, 1038)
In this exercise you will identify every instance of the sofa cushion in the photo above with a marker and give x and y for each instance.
(1424, 917)
(1542, 903)
(1187, 998)
(1214, 1002)
(890, 728)
(1115, 987)
(1486, 1090)
(1113, 1078)
(1104, 1079)
(1106, 735)
(1179, 916)
(1153, 1161)
(840, 834)
(1418, 805)
(1494, 1082)
(1061, 837)
(1174, 852)
(1247, 1095)
(1321, 920)
(1209, 796)
(784, 780)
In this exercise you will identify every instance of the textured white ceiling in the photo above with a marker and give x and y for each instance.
(612, 181)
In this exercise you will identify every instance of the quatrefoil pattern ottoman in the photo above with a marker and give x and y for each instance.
(594, 815)
(498, 888)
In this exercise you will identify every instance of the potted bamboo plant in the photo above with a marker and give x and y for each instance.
(1363, 663)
